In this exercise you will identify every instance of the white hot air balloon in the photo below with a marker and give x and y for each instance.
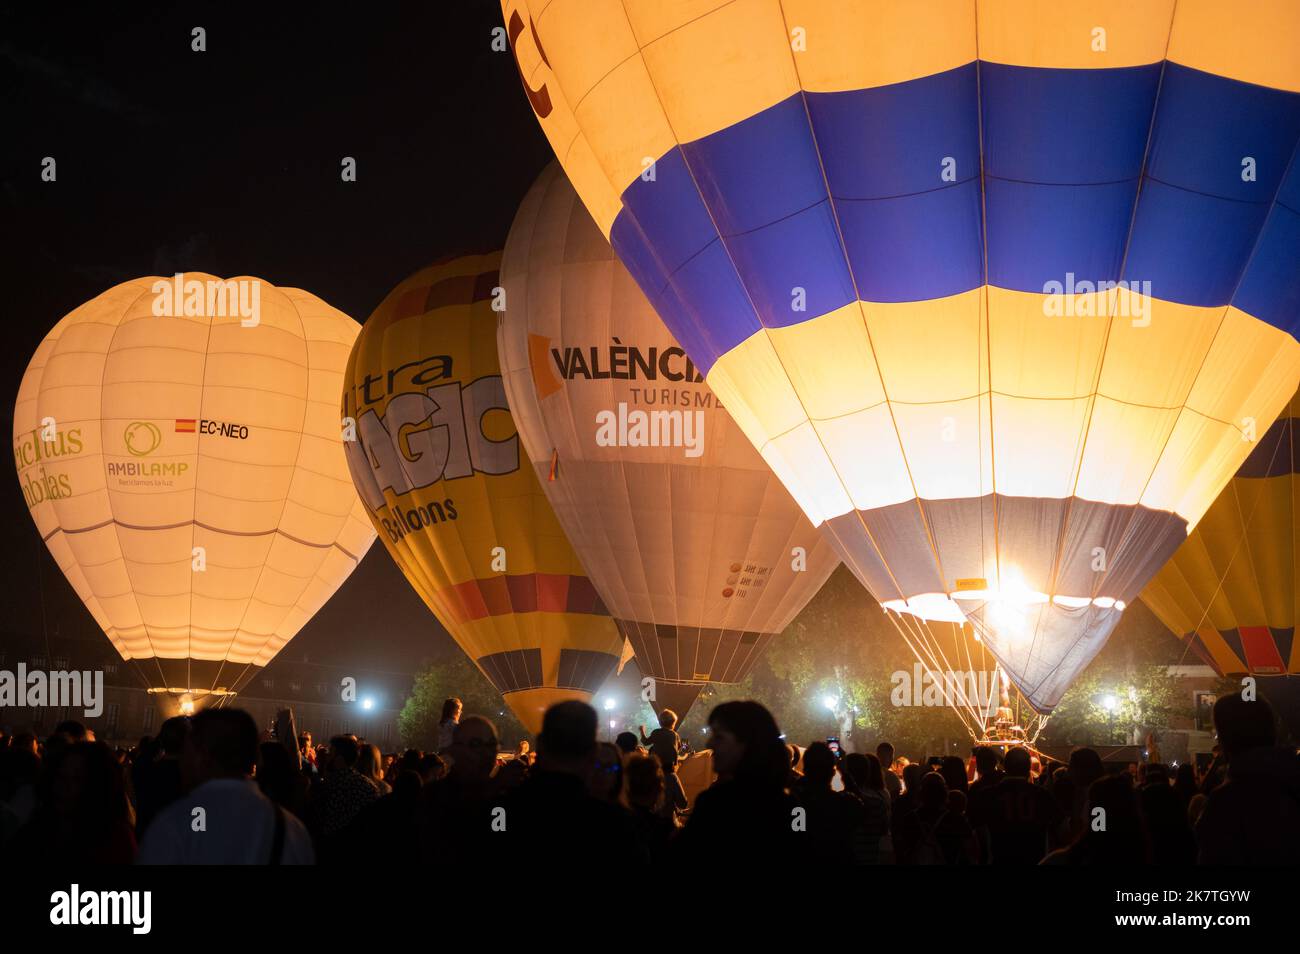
(179, 447)
(699, 553)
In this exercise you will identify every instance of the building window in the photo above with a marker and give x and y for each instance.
(320, 688)
(111, 714)
(61, 662)
(295, 687)
(150, 712)
(268, 683)
(38, 662)
(110, 668)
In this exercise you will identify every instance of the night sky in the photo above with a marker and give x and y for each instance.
(228, 162)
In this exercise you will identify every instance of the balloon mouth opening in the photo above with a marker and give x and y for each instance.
(1001, 608)
(176, 701)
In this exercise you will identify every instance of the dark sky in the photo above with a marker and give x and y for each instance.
(228, 162)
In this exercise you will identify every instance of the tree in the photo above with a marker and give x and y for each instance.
(454, 675)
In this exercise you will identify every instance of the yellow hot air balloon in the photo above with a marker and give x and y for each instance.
(179, 447)
(438, 465)
(698, 552)
(995, 288)
(1230, 590)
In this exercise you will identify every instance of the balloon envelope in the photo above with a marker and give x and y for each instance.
(1230, 589)
(438, 466)
(179, 447)
(994, 288)
(697, 550)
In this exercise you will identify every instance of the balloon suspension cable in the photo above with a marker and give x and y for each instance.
(989, 721)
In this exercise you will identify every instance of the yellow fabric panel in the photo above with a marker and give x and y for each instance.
(1124, 443)
(1223, 656)
(625, 151)
(860, 44)
(1036, 445)
(1197, 460)
(1249, 40)
(868, 458)
(651, 19)
(740, 53)
(1250, 372)
(1035, 353)
(566, 28)
(193, 430)
(946, 447)
(1236, 569)
(829, 362)
(1266, 508)
(755, 387)
(549, 632)
(949, 331)
(608, 88)
(530, 705)
(1181, 334)
(600, 192)
(799, 459)
(1060, 35)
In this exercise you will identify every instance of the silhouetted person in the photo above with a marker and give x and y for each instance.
(931, 834)
(158, 781)
(606, 780)
(1085, 768)
(1165, 814)
(1115, 834)
(893, 784)
(1253, 818)
(342, 794)
(747, 815)
(1020, 821)
(987, 768)
(83, 815)
(832, 817)
(281, 779)
(455, 813)
(645, 791)
(239, 825)
(451, 710)
(953, 770)
(873, 841)
(551, 816)
(1185, 783)
(664, 741)
(627, 743)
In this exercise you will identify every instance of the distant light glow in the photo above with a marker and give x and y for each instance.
(610, 703)
(367, 703)
(1110, 703)
(830, 702)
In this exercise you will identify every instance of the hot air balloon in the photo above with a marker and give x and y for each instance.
(698, 552)
(1230, 590)
(995, 288)
(179, 447)
(438, 466)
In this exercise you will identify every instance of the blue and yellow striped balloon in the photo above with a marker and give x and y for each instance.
(890, 234)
